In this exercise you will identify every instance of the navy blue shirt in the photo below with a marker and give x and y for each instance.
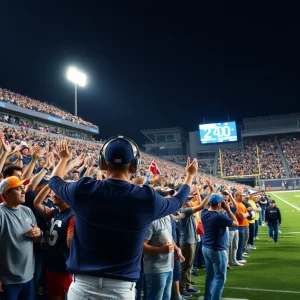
(111, 221)
(58, 251)
(214, 225)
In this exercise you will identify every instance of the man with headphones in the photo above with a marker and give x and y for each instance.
(112, 217)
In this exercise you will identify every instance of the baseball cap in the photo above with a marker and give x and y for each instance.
(215, 199)
(119, 151)
(12, 182)
(252, 192)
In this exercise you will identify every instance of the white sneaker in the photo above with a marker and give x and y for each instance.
(245, 255)
(279, 231)
(242, 261)
(263, 224)
(257, 238)
(237, 264)
(251, 247)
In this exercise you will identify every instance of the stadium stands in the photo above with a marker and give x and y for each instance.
(244, 161)
(26, 102)
(291, 151)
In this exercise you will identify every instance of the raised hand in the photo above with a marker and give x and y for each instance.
(4, 144)
(191, 167)
(209, 183)
(76, 162)
(51, 160)
(36, 153)
(139, 180)
(63, 151)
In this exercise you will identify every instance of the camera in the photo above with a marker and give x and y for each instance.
(223, 204)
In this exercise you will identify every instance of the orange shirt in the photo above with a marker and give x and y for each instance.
(241, 209)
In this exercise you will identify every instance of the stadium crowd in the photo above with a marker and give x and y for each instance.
(197, 221)
(291, 151)
(239, 161)
(26, 102)
(28, 154)
(244, 161)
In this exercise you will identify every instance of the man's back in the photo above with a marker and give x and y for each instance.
(214, 225)
(112, 219)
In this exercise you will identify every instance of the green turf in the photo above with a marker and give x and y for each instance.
(270, 267)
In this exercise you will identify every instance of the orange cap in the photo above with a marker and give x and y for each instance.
(12, 182)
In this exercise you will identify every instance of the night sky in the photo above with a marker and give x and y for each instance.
(153, 64)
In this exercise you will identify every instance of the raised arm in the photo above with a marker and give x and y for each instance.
(6, 149)
(34, 158)
(40, 175)
(38, 202)
(203, 204)
(164, 207)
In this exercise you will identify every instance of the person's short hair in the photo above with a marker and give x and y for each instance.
(117, 167)
(9, 170)
(237, 193)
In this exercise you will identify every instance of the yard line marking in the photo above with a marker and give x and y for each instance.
(286, 201)
(290, 191)
(259, 290)
(283, 233)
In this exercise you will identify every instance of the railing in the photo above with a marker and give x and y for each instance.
(46, 117)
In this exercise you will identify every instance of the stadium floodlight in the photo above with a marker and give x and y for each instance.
(78, 78)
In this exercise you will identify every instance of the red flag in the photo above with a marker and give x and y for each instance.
(153, 168)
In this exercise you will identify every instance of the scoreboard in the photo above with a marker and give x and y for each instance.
(218, 133)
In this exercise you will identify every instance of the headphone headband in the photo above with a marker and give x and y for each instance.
(136, 160)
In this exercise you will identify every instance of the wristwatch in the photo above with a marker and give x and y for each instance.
(46, 169)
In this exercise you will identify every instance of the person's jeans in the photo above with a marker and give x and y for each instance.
(216, 268)
(260, 219)
(24, 291)
(251, 233)
(256, 228)
(242, 234)
(159, 285)
(201, 261)
(273, 231)
(85, 287)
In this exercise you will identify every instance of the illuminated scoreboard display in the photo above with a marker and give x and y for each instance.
(218, 133)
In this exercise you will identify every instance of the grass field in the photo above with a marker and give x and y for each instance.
(272, 272)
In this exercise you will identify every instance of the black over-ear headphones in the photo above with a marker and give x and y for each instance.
(137, 159)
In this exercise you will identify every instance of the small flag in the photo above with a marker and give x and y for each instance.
(153, 168)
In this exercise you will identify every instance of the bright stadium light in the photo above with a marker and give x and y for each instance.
(78, 78)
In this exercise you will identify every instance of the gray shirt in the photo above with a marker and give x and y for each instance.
(159, 233)
(16, 249)
(188, 233)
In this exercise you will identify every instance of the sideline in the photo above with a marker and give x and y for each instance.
(286, 202)
(258, 290)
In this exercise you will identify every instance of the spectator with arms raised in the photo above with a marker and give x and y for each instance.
(118, 213)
